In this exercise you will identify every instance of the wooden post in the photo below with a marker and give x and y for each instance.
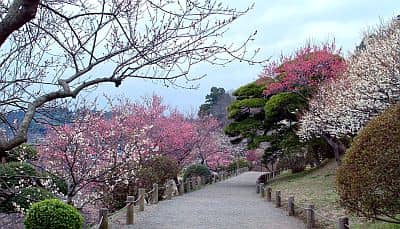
(310, 217)
(168, 190)
(269, 194)
(130, 210)
(155, 193)
(103, 216)
(141, 199)
(278, 199)
(290, 206)
(343, 223)
(181, 188)
(262, 190)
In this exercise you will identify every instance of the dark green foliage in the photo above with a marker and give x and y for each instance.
(243, 163)
(25, 198)
(251, 90)
(22, 153)
(255, 142)
(211, 100)
(61, 184)
(53, 214)
(283, 106)
(318, 150)
(246, 127)
(10, 173)
(237, 105)
(197, 170)
(368, 181)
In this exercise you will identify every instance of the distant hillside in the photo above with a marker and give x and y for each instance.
(43, 117)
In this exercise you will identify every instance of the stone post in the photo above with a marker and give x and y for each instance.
(103, 216)
(262, 190)
(291, 206)
(142, 191)
(269, 194)
(343, 223)
(278, 199)
(310, 217)
(155, 193)
(130, 210)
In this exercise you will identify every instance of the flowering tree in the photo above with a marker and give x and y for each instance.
(94, 152)
(307, 68)
(342, 107)
(52, 50)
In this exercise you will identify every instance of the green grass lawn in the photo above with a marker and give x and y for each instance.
(317, 186)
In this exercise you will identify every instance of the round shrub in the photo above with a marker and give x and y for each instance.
(53, 213)
(26, 197)
(368, 181)
(197, 170)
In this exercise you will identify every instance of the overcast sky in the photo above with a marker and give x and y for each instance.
(282, 26)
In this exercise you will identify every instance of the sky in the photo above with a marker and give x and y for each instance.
(282, 26)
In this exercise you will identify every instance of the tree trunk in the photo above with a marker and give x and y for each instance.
(335, 146)
(19, 13)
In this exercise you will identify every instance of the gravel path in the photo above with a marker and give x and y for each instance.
(229, 204)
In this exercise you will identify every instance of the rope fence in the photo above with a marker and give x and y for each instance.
(133, 205)
(307, 212)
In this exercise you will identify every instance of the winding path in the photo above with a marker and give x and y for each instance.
(229, 204)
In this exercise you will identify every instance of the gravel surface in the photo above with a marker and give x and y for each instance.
(229, 204)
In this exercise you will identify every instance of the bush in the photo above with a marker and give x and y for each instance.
(11, 173)
(318, 150)
(243, 163)
(61, 184)
(22, 152)
(25, 198)
(158, 169)
(368, 181)
(53, 213)
(197, 170)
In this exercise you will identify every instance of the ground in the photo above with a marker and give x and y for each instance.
(231, 204)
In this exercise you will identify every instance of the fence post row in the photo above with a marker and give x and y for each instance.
(141, 199)
(155, 193)
(130, 210)
(103, 216)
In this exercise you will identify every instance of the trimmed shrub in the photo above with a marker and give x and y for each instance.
(197, 170)
(368, 181)
(53, 213)
(25, 198)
